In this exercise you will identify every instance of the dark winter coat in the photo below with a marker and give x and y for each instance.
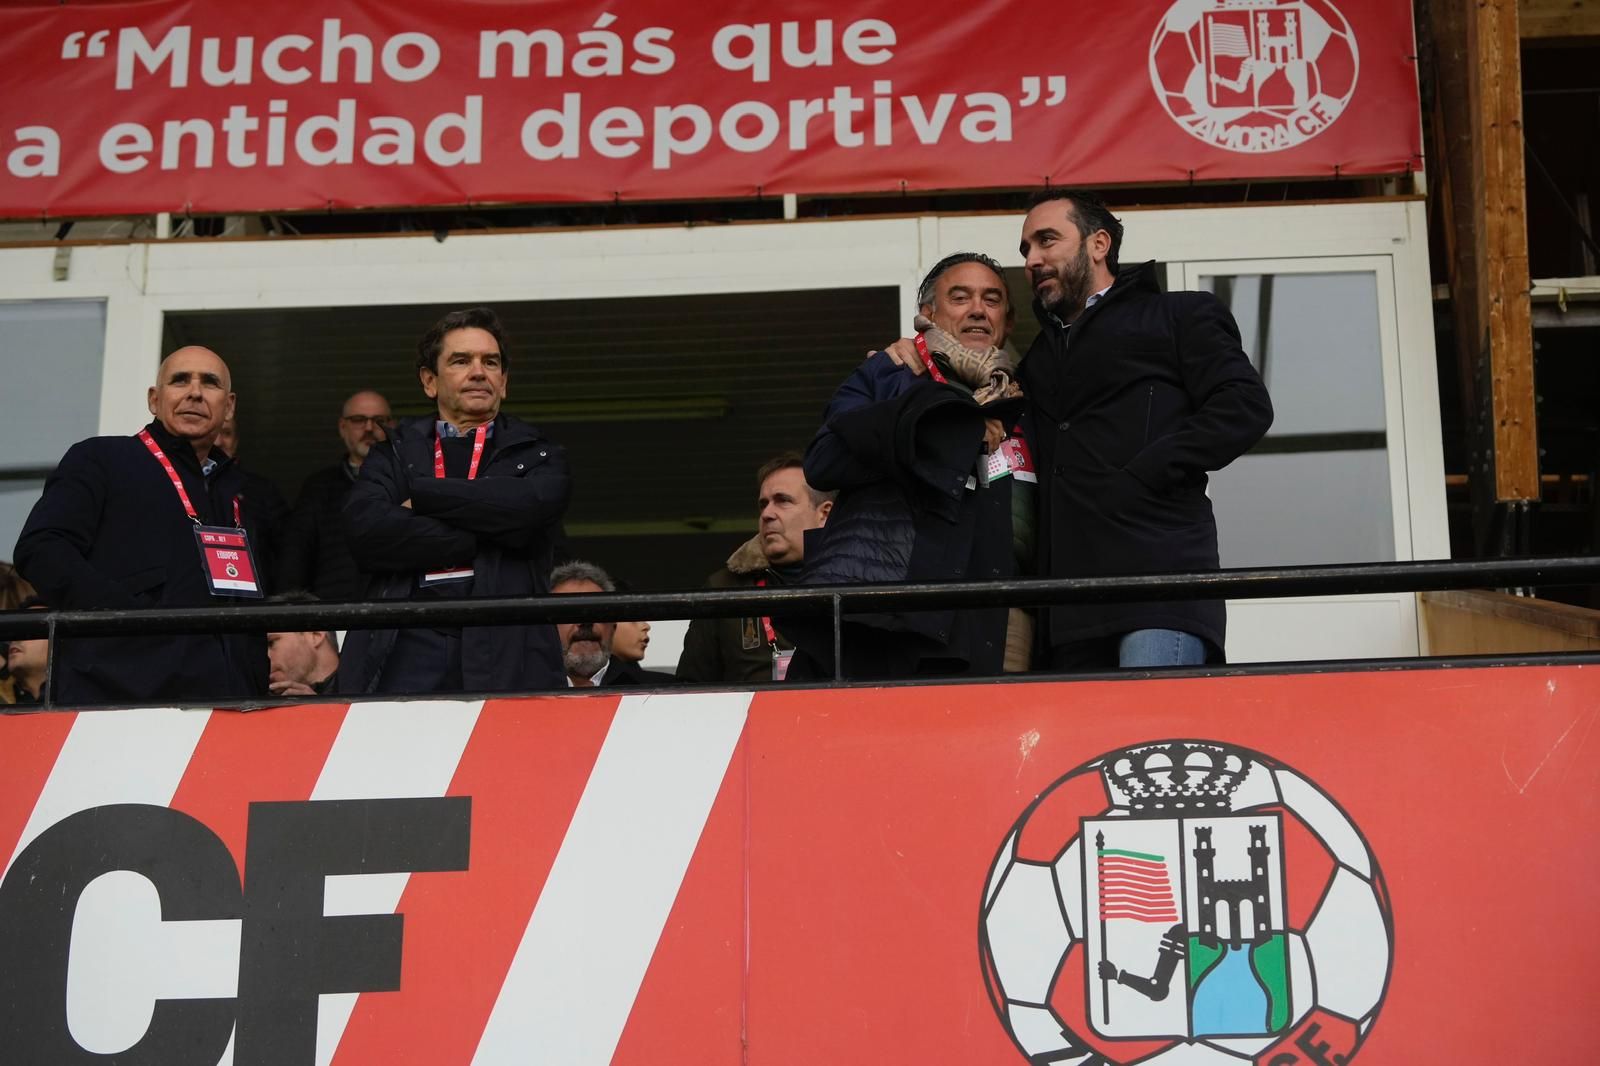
(109, 531)
(1128, 408)
(900, 448)
(501, 523)
(732, 651)
(622, 672)
(314, 554)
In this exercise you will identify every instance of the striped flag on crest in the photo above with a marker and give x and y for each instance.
(1136, 885)
(1228, 39)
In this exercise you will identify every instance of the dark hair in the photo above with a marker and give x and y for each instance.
(784, 461)
(925, 291)
(14, 588)
(431, 345)
(1089, 213)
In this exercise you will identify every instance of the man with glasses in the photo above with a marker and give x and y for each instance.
(315, 556)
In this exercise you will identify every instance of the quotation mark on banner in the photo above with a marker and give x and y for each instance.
(72, 47)
(1056, 84)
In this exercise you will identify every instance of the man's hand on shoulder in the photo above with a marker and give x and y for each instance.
(903, 352)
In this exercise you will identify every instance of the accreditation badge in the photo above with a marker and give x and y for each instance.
(781, 658)
(1012, 459)
(225, 557)
(441, 577)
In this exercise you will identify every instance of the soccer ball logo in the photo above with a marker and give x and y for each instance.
(1186, 901)
(1254, 75)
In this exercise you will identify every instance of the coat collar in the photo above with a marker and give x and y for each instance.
(508, 430)
(181, 452)
(1138, 276)
(748, 558)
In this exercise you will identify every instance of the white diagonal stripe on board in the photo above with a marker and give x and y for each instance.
(131, 756)
(577, 971)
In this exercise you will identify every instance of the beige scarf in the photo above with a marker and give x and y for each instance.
(988, 373)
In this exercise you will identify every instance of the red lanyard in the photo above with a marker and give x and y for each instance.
(927, 360)
(478, 437)
(766, 622)
(166, 464)
(172, 474)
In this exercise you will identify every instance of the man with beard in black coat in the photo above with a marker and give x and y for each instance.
(460, 503)
(1133, 394)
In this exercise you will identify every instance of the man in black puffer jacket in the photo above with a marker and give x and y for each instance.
(465, 504)
(907, 453)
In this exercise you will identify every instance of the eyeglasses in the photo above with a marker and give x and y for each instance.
(380, 421)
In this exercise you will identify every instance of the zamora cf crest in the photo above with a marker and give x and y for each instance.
(1254, 75)
(1188, 901)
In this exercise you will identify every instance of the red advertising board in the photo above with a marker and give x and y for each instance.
(1389, 867)
(199, 105)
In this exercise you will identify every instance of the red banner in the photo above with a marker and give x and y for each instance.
(198, 105)
(1378, 868)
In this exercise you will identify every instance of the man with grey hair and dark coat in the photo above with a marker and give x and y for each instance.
(924, 485)
(461, 503)
(586, 646)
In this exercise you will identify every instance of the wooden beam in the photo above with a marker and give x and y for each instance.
(1545, 20)
(1505, 264)
(1478, 146)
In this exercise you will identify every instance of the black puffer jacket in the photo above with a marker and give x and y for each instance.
(900, 448)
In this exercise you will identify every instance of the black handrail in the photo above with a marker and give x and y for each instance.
(837, 600)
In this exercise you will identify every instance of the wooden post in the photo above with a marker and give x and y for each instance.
(1477, 80)
(1510, 325)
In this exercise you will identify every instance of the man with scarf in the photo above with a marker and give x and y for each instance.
(925, 488)
(1134, 395)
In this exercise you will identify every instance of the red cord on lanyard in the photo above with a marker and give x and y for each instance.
(478, 437)
(766, 621)
(927, 360)
(166, 464)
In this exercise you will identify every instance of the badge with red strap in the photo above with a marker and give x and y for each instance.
(781, 657)
(225, 557)
(454, 573)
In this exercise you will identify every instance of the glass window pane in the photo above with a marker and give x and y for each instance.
(50, 357)
(1316, 490)
(16, 500)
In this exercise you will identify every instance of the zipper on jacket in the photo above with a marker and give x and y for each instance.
(1149, 406)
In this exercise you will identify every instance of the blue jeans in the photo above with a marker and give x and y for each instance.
(1160, 647)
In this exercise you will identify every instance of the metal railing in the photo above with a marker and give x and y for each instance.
(835, 601)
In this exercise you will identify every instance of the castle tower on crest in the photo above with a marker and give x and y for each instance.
(1216, 896)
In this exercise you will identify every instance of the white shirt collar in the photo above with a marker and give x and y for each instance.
(596, 679)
